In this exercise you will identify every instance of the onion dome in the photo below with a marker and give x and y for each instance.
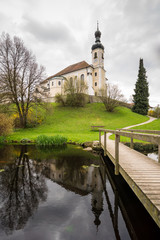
(98, 43)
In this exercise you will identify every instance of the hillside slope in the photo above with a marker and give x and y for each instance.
(75, 123)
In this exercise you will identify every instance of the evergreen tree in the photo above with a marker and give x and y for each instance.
(141, 96)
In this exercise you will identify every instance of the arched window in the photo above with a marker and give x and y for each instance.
(59, 83)
(102, 56)
(95, 55)
(82, 79)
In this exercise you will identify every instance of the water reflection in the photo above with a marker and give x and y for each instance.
(153, 155)
(58, 194)
(79, 175)
(22, 187)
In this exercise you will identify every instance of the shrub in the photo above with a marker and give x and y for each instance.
(74, 93)
(154, 112)
(59, 98)
(2, 139)
(56, 140)
(6, 124)
(76, 100)
(35, 117)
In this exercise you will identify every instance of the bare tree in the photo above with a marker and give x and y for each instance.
(19, 75)
(112, 97)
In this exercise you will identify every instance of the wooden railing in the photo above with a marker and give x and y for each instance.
(138, 131)
(132, 135)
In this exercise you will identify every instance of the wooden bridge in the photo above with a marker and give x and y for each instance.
(140, 172)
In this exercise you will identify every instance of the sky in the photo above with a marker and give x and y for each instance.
(61, 33)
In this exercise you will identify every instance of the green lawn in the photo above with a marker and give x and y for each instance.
(155, 125)
(75, 123)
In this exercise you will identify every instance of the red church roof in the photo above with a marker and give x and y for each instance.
(69, 69)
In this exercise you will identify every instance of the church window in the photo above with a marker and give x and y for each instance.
(82, 79)
(102, 56)
(59, 83)
(95, 55)
(95, 73)
(95, 84)
(48, 85)
(52, 83)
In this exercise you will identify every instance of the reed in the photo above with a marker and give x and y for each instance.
(56, 140)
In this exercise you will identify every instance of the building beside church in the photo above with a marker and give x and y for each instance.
(93, 75)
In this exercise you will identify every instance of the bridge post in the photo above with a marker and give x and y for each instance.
(117, 138)
(131, 143)
(99, 138)
(105, 144)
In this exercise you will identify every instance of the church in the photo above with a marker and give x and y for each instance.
(93, 75)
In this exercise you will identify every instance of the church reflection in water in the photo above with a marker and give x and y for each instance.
(81, 180)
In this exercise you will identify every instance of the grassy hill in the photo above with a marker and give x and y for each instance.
(75, 123)
(155, 125)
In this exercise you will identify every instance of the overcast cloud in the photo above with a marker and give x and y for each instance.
(61, 32)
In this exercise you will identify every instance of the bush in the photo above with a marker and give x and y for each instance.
(154, 112)
(59, 98)
(6, 124)
(76, 100)
(57, 140)
(2, 139)
(34, 118)
(74, 93)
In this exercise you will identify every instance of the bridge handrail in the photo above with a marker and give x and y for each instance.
(139, 130)
(140, 136)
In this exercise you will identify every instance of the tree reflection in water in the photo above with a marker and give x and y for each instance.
(22, 187)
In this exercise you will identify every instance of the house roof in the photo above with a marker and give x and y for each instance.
(69, 69)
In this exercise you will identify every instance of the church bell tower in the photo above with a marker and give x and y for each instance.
(98, 50)
(99, 79)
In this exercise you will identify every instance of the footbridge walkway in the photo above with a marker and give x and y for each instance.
(140, 172)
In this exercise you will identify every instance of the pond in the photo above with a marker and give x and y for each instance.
(66, 193)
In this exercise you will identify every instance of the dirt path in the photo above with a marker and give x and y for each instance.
(151, 119)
